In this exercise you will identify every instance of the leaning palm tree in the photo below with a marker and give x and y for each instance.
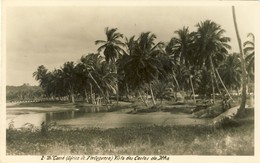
(239, 110)
(90, 64)
(211, 46)
(243, 67)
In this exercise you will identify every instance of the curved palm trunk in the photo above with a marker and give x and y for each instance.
(212, 80)
(213, 88)
(103, 94)
(177, 83)
(91, 94)
(117, 87)
(214, 75)
(151, 90)
(243, 97)
(194, 100)
(144, 101)
(85, 96)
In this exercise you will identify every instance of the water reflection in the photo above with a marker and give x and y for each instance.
(18, 121)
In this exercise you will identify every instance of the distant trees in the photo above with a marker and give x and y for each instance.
(24, 92)
(195, 62)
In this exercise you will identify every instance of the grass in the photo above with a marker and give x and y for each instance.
(154, 140)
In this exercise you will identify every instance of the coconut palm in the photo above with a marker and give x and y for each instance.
(142, 66)
(57, 83)
(183, 50)
(69, 79)
(91, 64)
(41, 75)
(243, 67)
(112, 46)
(211, 47)
(44, 77)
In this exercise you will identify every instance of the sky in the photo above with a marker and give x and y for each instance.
(50, 35)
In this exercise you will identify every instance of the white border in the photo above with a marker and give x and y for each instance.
(213, 159)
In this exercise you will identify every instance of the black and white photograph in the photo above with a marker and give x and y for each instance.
(128, 81)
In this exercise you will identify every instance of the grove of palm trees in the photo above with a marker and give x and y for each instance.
(196, 65)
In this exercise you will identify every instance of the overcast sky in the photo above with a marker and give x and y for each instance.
(51, 36)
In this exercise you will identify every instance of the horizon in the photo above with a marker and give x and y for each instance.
(50, 36)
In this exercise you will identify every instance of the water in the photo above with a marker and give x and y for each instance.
(97, 117)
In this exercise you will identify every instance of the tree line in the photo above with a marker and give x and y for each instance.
(196, 62)
(24, 92)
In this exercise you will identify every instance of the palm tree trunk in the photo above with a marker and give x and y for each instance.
(223, 85)
(243, 67)
(127, 91)
(86, 95)
(177, 83)
(117, 93)
(192, 89)
(91, 94)
(107, 101)
(213, 88)
(212, 81)
(142, 98)
(214, 75)
(72, 94)
(151, 90)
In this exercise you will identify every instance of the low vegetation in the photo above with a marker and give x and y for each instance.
(167, 140)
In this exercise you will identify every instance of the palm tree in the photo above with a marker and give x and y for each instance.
(113, 48)
(183, 49)
(142, 66)
(243, 67)
(90, 64)
(57, 83)
(44, 77)
(68, 75)
(41, 75)
(211, 46)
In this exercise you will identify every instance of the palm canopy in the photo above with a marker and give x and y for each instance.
(210, 43)
(42, 75)
(112, 46)
(142, 65)
(69, 78)
(183, 45)
(100, 71)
